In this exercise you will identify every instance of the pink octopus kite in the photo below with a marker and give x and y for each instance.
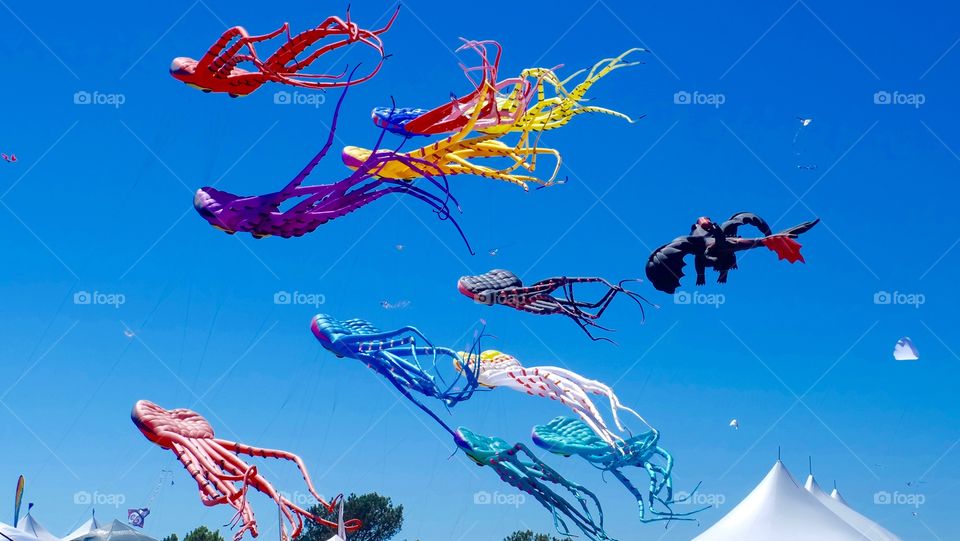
(218, 71)
(214, 465)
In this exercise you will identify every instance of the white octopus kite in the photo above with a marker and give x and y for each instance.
(498, 369)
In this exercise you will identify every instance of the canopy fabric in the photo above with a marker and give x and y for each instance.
(778, 509)
(114, 531)
(9, 533)
(34, 528)
(839, 497)
(870, 529)
(85, 528)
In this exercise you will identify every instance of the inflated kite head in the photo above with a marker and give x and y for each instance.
(394, 119)
(183, 69)
(160, 425)
(218, 209)
(490, 361)
(481, 449)
(330, 331)
(483, 288)
(355, 157)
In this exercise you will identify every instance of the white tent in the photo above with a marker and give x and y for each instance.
(34, 528)
(870, 529)
(839, 497)
(9, 533)
(114, 531)
(90, 525)
(779, 510)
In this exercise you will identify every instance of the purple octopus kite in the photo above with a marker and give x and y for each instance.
(305, 208)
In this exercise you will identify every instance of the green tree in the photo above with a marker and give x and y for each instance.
(530, 536)
(202, 534)
(381, 519)
(171, 537)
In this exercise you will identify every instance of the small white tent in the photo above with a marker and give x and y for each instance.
(114, 531)
(34, 528)
(870, 529)
(9, 533)
(778, 509)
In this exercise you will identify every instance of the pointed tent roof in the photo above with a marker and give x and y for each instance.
(34, 528)
(779, 509)
(85, 528)
(114, 531)
(837, 496)
(9, 533)
(870, 529)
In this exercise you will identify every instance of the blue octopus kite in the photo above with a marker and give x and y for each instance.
(565, 436)
(396, 355)
(535, 477)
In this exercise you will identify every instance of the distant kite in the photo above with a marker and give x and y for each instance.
(905, 350)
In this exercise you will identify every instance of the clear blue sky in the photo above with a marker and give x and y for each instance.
(101, 201)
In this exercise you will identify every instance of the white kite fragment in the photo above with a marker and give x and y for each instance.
(905, 350)
(735, 424)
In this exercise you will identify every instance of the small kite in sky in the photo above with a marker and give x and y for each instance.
(905, 350)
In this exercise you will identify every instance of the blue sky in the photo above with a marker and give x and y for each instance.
(100, 201)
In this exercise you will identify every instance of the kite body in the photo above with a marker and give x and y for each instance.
(498, 369)
(218, 71)
(568, 437)
(456, 155)
(519, 104)
(505, 288)
(216, 467)
(298, 209)
(521, 469)
(904, 350)
(394, 119)
(715, 246)
(397, 355)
